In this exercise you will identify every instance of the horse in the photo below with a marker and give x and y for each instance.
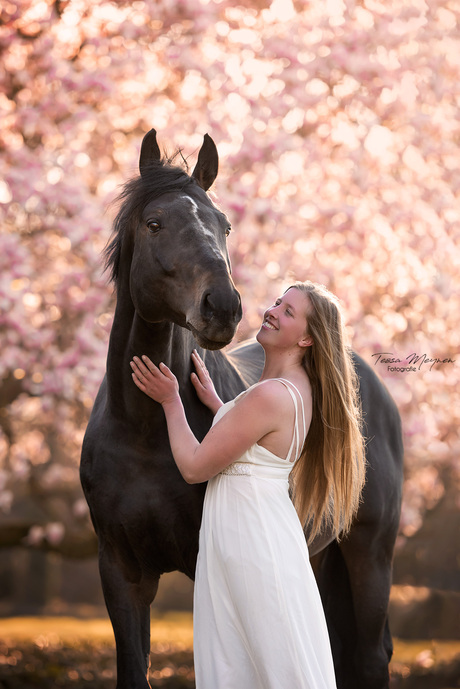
(170, 265)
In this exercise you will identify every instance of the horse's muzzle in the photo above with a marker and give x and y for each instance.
(219, 314)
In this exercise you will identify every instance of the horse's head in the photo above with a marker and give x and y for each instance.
(179, 269)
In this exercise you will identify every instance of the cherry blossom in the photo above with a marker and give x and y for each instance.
(337, 128)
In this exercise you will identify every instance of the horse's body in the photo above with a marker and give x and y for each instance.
(175, 293)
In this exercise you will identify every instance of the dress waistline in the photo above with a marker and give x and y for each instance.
(258, 470)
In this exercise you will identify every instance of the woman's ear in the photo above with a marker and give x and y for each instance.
(306, 341)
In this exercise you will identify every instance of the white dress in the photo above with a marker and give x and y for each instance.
(258, 617)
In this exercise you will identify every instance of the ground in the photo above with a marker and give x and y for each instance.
(70, 653)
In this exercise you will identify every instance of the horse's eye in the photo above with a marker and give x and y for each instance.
(227, 231)
(153, 226)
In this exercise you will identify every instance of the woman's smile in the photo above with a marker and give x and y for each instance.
(269, 326)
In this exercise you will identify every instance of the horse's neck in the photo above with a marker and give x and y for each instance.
(131, 336)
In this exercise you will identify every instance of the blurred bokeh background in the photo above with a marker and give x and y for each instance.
(338, 130)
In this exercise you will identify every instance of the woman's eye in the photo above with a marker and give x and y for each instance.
(153, 226)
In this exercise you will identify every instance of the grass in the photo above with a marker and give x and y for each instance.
(173, 628)
(70, 653)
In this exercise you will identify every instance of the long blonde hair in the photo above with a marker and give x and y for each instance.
(329, 475)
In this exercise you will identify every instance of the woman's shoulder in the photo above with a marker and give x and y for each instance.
(268, 392)
(277, 391)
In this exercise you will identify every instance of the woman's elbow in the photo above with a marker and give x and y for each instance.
(192, 477)
(193, 471)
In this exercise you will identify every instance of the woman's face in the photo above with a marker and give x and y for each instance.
(285, 323)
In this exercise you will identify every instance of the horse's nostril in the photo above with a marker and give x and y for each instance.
(222, 306)
(207, 307)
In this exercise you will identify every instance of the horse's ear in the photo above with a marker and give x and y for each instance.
(149, 150)
(207, 166)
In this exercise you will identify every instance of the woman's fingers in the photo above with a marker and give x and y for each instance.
(148, 364)
(138, 382)
(196, 356)
(201, 369)
(166, 371)
(198, 361)
(145, 367)
(137, 373)
(138, 365)
(196, 381)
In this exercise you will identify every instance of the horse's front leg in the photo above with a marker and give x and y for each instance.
(368, 558)
(128, 605)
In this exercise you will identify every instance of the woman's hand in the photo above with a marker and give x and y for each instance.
(158, 382)
(203, 384)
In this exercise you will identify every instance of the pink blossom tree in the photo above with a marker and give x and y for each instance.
(337, 129)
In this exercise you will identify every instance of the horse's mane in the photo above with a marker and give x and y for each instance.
(158, 177)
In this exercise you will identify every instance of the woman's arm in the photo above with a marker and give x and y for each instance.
(256, 414)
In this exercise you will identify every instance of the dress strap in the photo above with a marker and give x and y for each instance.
(296, 439)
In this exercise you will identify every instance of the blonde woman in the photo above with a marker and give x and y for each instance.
(258, 618)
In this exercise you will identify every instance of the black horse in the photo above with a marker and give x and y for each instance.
(169, 262)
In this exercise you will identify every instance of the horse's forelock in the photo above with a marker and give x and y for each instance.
(158, 177)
